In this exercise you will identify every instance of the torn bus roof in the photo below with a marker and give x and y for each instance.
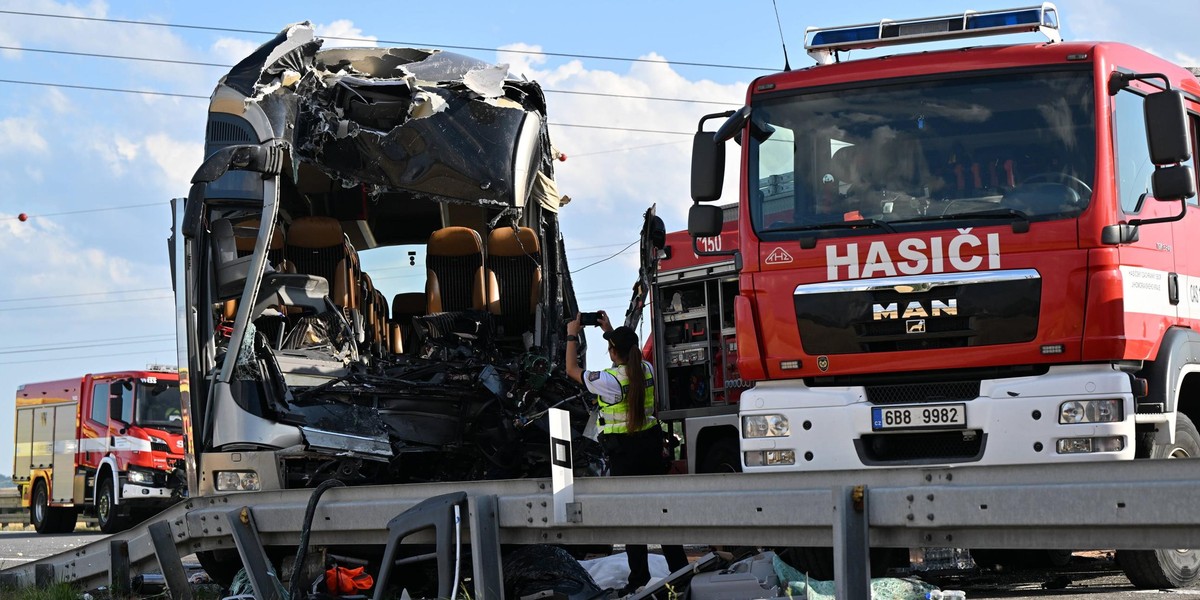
(418, 123)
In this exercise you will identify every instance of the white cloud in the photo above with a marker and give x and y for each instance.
(1187, 60)
(177, 160)
(615, 173)
(58, 102)
(19, 135)
(93, 36)
(115, 151)
(60, 259)
(232, 50)
(344, 28)
(522, 59)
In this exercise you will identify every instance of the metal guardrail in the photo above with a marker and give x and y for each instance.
(10, 508)
(1134, 504)
(11, 512)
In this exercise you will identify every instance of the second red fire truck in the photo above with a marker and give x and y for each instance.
(106, 444)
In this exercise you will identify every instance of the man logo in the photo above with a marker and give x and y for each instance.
(914, 326)
(823, 363)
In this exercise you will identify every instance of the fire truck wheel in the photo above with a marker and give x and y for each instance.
(48, 519)
(1166, 567)
(722, 456)
(110, 520)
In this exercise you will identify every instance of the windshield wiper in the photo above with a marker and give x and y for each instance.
(875, 223)
(810, 242)
(1020, 219)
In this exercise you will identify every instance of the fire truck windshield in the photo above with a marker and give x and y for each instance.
(158, 405)
(1015, 143)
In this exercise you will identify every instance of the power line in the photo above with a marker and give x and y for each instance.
(81, 211)
(116, 56)
(95, 88)
(78, 346)
(119, 339)
(391, 42)
(13, 309)
(627, 149)
(90, 356)
(207, 64)
(604, 259)
(84, 294)
(156, 93)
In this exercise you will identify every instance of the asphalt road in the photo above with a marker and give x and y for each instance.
(1092, 577)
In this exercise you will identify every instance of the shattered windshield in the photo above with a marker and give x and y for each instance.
(158, 405)
(1020, 145)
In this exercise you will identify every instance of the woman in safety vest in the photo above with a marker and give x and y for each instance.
(629, 432)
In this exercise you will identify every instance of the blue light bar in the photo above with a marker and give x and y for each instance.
(826, 42)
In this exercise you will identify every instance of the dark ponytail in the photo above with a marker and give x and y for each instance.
(634, 396)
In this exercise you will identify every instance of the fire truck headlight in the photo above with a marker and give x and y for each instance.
(761, 426)
(238, 481)
(140, 476)
(1089, 411)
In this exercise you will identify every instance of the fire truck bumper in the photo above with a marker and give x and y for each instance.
(1070, 414)
(132, 492)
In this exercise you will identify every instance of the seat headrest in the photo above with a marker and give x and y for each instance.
(408, 303)
(503, 241)
(245, 232)
(315, 232)
(454, 241)
(846, 165)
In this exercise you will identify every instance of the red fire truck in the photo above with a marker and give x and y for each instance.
(981, 255)
(108, 444)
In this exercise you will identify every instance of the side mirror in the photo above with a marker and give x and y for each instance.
(708, 167)
(1167, 128)
(116, 399)
(708, 153)
(705, 220)
(657, 232)
(266, 158)
(115, 407)
(1176, 182)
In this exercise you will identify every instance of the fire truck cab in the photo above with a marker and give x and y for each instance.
(109, 444)
(981, 255)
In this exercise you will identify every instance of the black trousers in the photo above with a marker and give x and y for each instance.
(641, 453)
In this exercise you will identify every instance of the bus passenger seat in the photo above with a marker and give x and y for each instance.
(515, 272)
(454, 261)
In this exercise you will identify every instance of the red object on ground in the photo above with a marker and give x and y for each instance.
(341, 580)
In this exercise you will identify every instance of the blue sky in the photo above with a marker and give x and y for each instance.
(86, 283)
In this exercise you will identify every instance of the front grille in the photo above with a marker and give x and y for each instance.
(979, 309)
(921, 448)
(916, 393)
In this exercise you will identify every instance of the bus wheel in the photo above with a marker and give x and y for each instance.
(1166, 567)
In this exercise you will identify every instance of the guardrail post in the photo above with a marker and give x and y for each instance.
(258, 567)
(851, 547)
(43, 575)
(485, 547)
(169, 562)
(118, 570)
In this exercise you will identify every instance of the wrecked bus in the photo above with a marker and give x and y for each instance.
(296, 365)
